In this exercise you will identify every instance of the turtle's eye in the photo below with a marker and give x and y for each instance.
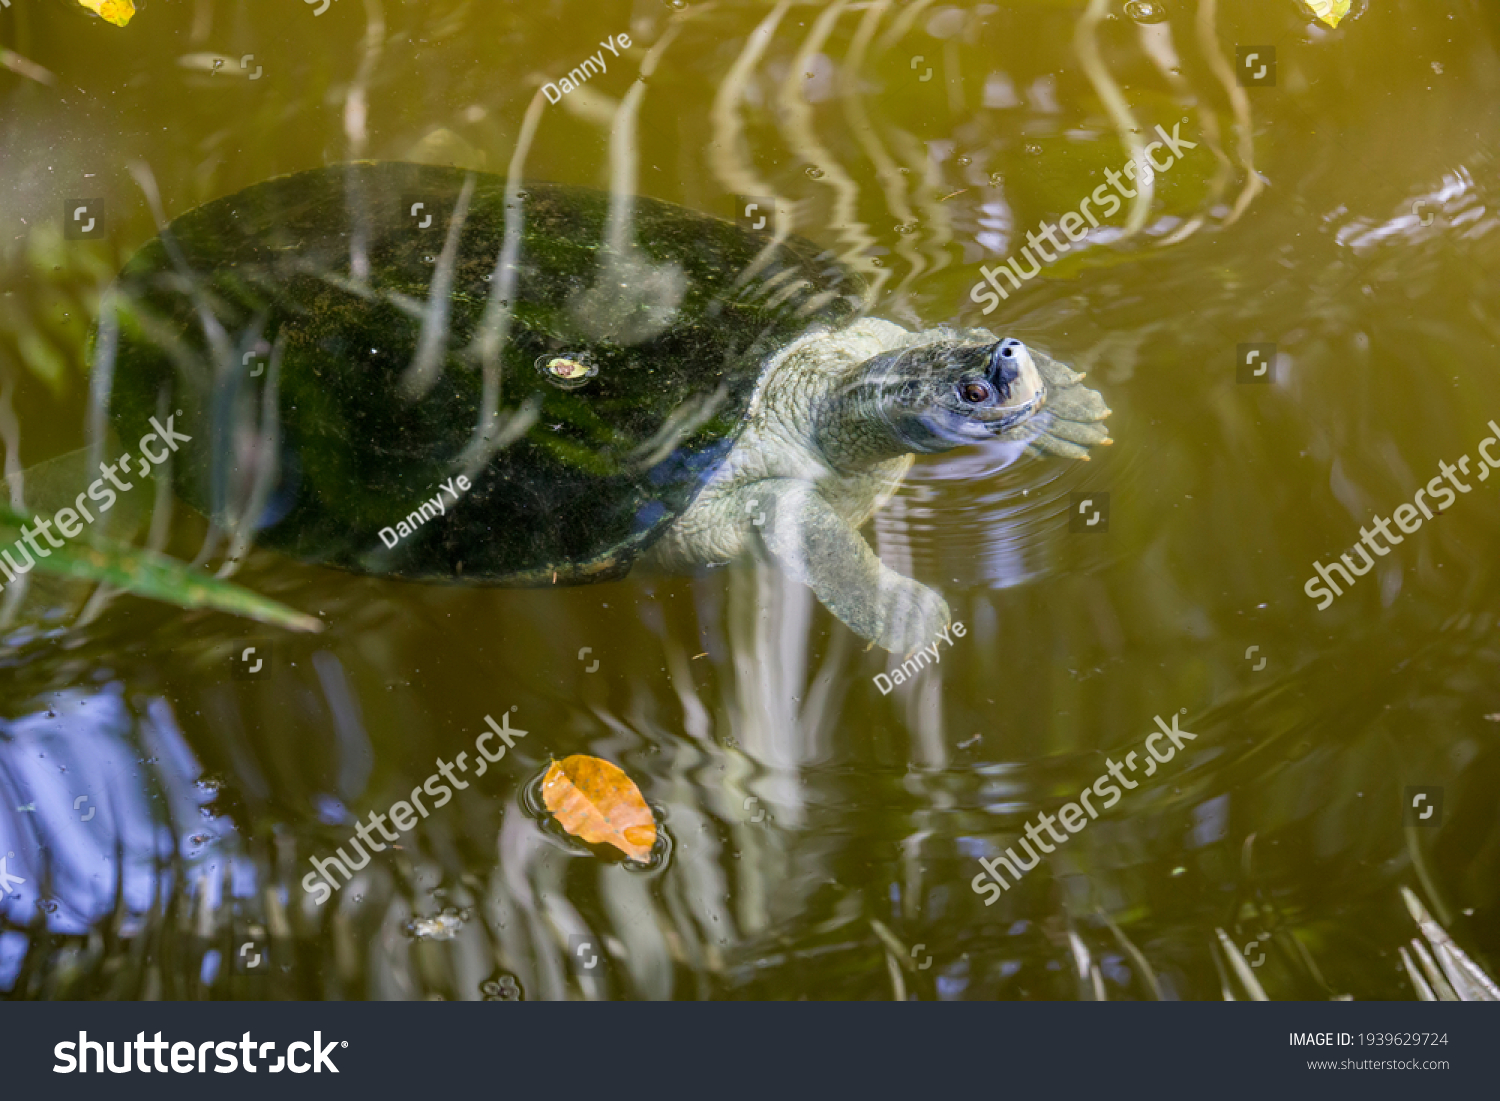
(974, 392)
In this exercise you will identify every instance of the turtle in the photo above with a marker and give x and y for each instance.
(427, 373)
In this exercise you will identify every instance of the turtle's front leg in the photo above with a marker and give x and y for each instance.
(1071, 420)
(814, 545)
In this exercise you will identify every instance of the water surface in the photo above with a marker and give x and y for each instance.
(820, 835)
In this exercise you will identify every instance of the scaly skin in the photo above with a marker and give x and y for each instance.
(815, 459)
(779, 442)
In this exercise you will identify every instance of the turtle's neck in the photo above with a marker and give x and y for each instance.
(851, 428)
(817, 397)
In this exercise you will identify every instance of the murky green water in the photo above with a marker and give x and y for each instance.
(821, 836)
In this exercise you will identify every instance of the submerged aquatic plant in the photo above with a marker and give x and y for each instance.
(155, 576)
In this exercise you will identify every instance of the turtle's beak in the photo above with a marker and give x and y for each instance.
(1015, 377)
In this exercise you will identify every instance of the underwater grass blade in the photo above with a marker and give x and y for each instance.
(157, 577)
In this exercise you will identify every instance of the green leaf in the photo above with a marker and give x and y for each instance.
(157, 577)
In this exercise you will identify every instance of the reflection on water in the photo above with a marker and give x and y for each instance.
(823, 836)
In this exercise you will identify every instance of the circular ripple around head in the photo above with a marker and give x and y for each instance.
(980, 518)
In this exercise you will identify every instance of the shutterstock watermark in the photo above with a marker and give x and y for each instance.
(1072, 223)
(403, 813)
(1407, 518)
(187, 1057)
(70, 521)
(1071, 815)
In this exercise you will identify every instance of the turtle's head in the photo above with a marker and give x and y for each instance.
(945, 394)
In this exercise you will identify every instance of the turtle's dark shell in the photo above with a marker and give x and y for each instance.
(321, 281)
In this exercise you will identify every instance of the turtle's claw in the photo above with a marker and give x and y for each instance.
(1088, 434)
(1046, 444)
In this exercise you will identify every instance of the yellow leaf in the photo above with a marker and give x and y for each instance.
(1329, 11)
(119, 12)
(596, 802)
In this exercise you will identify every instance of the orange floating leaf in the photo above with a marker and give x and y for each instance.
(596, 802)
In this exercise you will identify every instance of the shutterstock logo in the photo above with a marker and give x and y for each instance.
(1256, 66)
(189, 1058)
(755, 213)
(1089, 512)
(586, 954)
(1254, 361)
(1424, 806)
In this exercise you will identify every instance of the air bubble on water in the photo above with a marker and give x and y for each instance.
(814, 172)
(444, 926)
(1033, 148)
(676, 5)
(1146, 11)
(47, 904)
(964, 162)
(997, 178)
(503, 988)
(877, 261)
(907, 227)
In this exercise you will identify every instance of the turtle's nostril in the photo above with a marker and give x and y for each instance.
(1005, 363)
